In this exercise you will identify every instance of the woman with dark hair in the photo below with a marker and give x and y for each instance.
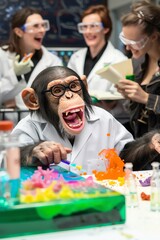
(25, 54)
(141, 35)
(96, 28)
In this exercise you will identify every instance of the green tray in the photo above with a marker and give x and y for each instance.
(59, 215)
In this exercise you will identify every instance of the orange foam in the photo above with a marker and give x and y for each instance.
(115, 165)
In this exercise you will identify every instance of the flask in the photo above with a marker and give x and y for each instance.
(155, 187)
(130, 186)
(9, 164)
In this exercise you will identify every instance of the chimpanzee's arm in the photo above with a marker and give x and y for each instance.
(26, 156)
(141, 152)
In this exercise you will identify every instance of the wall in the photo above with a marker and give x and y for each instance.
(117, 9)
(62, 14)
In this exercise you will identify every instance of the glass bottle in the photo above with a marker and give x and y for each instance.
(9, 164)
(130, 186)
(155, 187)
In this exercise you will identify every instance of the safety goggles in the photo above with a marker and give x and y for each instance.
(34, 27)
(137, 45)
(59, 89)
(93, 27)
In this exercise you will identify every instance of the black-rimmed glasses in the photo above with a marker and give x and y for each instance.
(59, 89)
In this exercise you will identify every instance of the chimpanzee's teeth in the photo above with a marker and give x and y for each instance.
(75, 125)
(74, 110)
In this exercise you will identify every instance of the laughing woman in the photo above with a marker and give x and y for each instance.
(96, 28)
(25, 54)
(141, 35)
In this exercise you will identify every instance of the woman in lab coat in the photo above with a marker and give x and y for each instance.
(141, 35)
(96, 27)
(28, 29)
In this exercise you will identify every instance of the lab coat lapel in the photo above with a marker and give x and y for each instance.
(44, 62)
(106, 58)
(81, 139)
(52, 135)
(81, 60)
(41, 65)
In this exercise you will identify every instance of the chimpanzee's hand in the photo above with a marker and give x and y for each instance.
(155, 142)
(50, 152)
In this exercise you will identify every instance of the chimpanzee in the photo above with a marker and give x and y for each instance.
(63, 124)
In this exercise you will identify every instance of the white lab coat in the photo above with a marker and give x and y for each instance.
(9, 80)
(87, 144)
(95, 82)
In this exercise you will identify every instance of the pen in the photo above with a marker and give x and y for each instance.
(62, 160)
(27, 56)
(65, 161)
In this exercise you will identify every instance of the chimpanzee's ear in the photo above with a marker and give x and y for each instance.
(30, 98)
(84, 79)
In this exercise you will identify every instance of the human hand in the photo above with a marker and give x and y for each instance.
(121, 89)
(22, 67)
(50, 152)
(132, 90)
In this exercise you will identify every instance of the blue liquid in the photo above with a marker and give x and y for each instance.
(4, 189)
(3, 202)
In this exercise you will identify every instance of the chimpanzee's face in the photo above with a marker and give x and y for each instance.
(65, 98)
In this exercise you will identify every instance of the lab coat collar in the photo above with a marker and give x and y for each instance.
(37, 118)
(49, 130)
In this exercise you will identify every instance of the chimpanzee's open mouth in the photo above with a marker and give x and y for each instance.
(74, 118)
